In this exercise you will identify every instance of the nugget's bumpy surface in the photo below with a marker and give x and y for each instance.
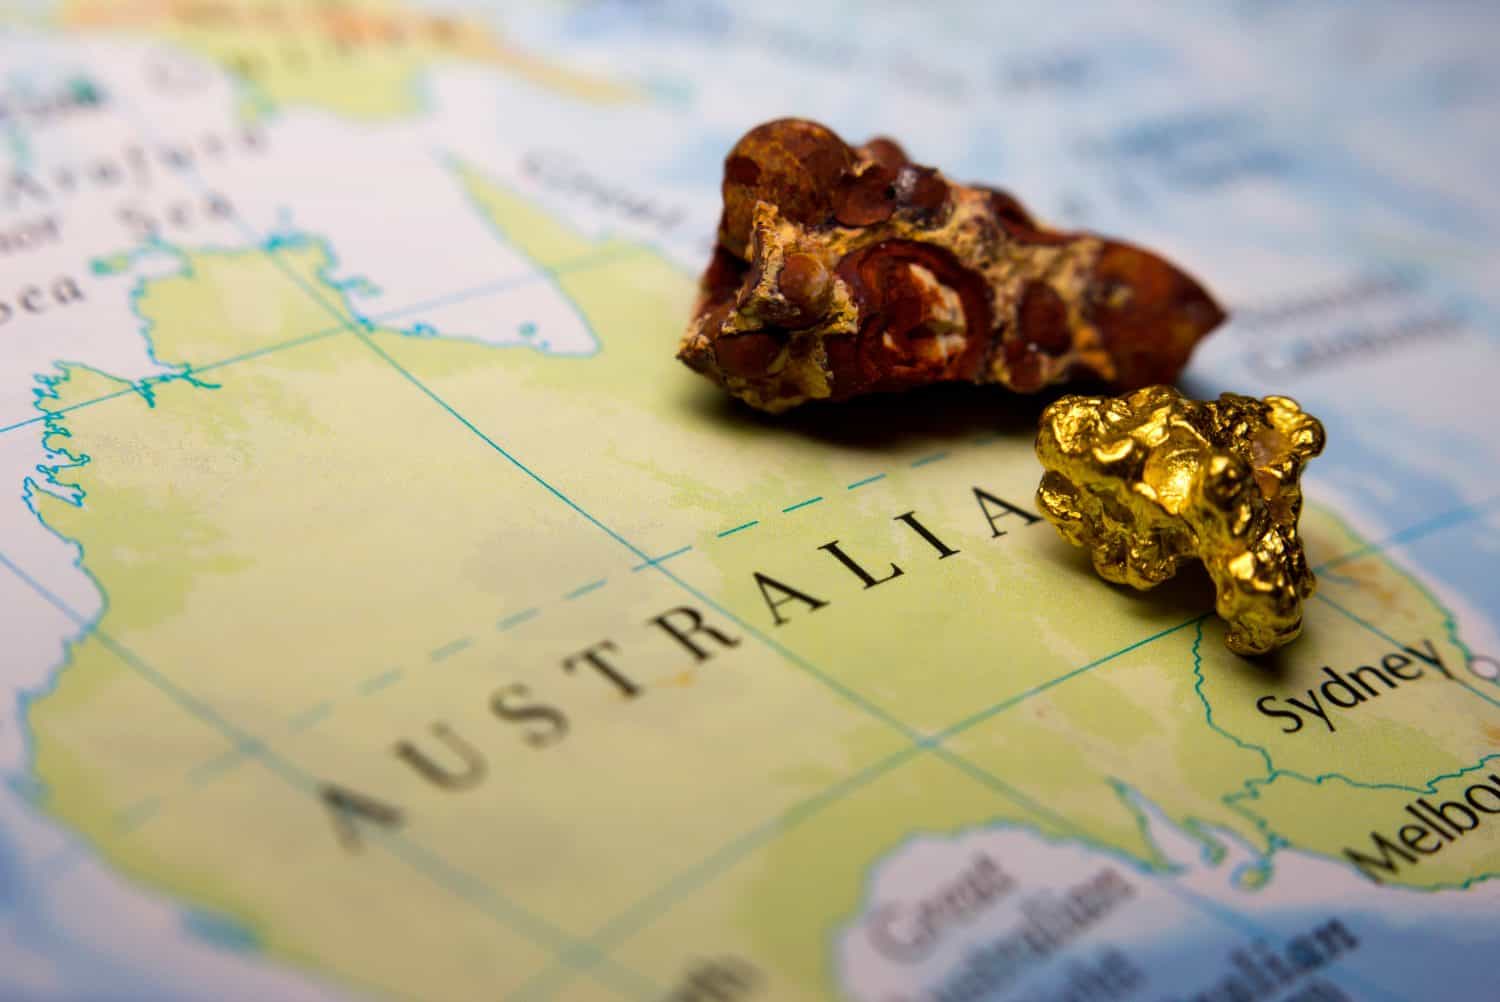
(1149, 480)
(843, 270)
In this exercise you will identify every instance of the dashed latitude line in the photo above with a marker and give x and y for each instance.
(592, 586)
(517, 619)
(449, 649)
(801, 504)
(207, 772)
(510, 622)
(310, 717)
(384, 680)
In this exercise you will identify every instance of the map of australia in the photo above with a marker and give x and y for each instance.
(384, 612)
(658, 637)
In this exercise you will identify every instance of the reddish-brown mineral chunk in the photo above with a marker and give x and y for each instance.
(848, 270)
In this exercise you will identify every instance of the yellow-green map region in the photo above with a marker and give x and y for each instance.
(453, 670)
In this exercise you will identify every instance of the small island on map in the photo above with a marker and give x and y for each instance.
(841, 271)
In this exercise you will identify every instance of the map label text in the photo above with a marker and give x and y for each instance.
(1347, 691)
(1430, 828)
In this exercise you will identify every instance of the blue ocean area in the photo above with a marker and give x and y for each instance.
(220, 930)
(1201, 915)
(46, 961)
(1393, 924)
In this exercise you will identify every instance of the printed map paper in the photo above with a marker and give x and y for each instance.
(385, 613)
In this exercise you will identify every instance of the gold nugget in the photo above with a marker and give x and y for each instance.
(1151, 479)
(844, 270)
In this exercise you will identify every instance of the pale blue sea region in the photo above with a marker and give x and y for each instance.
(1391, 926)
(76, 971)
(221, 930)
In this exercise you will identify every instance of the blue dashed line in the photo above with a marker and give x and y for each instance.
(662, 559)
(138, 814)
(449, 649)
(216, 767)
(591, 586)
(378, 682)
(207, 771)
(310, 716)
(517, 619)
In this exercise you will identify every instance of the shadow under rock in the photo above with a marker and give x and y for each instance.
(1187, 595)
(881, 422)
(1280, 663)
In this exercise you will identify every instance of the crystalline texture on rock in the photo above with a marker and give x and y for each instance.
(841, 271)
(1150, 480)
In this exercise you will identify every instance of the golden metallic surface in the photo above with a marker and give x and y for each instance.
(1151, 479)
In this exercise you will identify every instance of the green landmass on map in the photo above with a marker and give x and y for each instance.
(327, 543)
